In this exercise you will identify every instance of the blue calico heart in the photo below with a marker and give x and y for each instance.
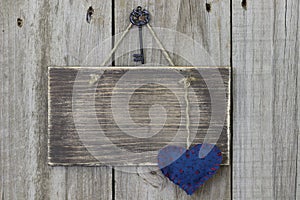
(189, 169)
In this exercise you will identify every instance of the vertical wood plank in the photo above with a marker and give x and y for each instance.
(298, 128)
(72, 41)
(265, 122)
(212, 31)
(80, 183)
(53, 33)
(298, 118)
(298, 161)
(23, 84)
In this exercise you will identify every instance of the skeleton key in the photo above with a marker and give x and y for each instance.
(140, 57)
(139, 17)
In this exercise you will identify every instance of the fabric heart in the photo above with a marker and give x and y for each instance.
(189, 169)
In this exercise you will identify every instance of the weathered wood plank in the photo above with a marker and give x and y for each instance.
(23, 160)
(80, 183)
(265, 123)
(298, 115)
(298, 119)
(72, 41)
(90, 124)
(52, 33)
(298, 162)
(212, 31)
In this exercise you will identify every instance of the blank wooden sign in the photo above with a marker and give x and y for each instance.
(123, 116)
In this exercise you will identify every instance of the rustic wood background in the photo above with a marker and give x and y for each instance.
(259, 39)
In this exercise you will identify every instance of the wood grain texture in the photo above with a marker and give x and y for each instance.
(148, 183)
(52, 33)
(298, 161)
(265, 88)
(212, 31)
(23, 170)
(298, 127)
(80, 183)
(72, 40)
(91, 124)
(266, 94)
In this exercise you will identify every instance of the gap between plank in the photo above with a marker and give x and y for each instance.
(113, 32)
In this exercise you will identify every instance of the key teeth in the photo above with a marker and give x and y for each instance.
(138, 58)
(137, 55)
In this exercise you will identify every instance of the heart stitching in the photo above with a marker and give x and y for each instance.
(189, 169)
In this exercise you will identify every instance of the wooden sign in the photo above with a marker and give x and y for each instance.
(125, 115)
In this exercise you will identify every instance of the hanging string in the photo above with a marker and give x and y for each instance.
(124, 35)
(186, 81)
(160, 45)
(187, 84)
(117, 45)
